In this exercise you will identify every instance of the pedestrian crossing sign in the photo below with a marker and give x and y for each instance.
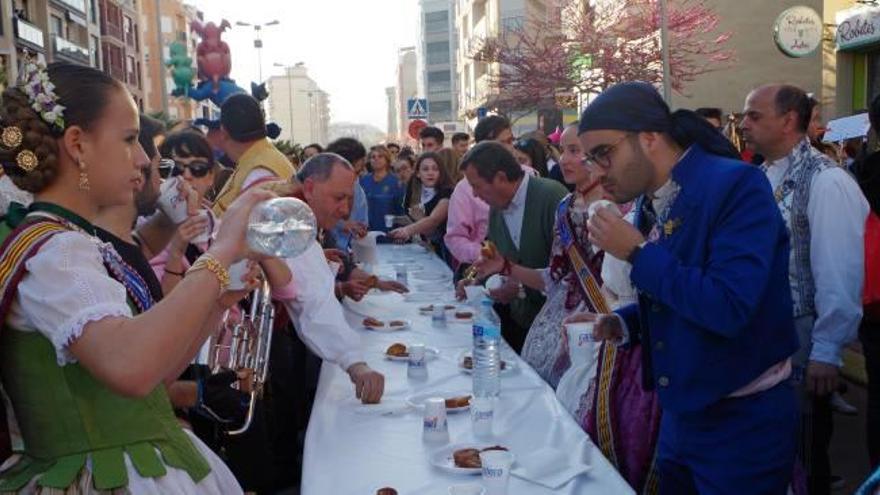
(417, 108)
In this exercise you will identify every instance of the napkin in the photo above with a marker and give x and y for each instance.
(548, 467)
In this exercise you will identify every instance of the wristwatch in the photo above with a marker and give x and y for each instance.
(631, 259)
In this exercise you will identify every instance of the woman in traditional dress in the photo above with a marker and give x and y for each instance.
(626, 429)
(85, 352)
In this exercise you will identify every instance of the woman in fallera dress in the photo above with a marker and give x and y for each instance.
(85, 351)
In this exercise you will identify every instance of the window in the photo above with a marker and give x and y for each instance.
(166, 25)
(439, 81)
(437, 22)
(93, 11)
(438, 52)
(440, 110)
(56, 26)
(93, 49)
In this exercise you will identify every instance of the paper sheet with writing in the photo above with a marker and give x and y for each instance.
(847, 128)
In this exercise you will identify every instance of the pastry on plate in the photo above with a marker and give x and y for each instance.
(373, 322)
(457, 402)
(470, 457)
(397, 323)
(397, 350)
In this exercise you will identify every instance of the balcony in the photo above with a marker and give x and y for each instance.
(112, 30)
(29, 33)
(71, 51)
(79, 5)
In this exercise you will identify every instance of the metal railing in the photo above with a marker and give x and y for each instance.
(71, 50)
(28, 32)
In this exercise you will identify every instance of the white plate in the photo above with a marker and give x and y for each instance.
(418, 400)
(388, 407)
(431, 353)
(510, 365)
(442, 458)
(387, 328)
(428, 312)
(450, 318)
(438, 287)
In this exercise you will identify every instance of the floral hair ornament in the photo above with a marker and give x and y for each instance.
(41, 93)
(26, 160)
(11, 137)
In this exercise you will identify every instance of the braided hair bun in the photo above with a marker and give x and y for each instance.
(82, 91)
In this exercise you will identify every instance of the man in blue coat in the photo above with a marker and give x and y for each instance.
(709, 254)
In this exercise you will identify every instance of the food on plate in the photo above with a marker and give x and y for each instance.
(372, 322)
(467, 458)
(488, 250)
(397, 323)
(468, 363)
(372, 281)
(464, 315)
(430, 307)
(470, 457)
(456, 402)
(397, 350)
(386, 491)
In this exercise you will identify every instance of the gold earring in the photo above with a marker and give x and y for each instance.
(83, 176)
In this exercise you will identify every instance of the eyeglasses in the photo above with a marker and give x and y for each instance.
(170, 168)
(601, 157)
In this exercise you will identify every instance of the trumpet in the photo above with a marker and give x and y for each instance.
(247, 350)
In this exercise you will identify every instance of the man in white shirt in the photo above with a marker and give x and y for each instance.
(825, 213)
(328, 188)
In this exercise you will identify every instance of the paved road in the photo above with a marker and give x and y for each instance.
(849, 454)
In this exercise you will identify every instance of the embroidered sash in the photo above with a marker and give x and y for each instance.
(608, 355)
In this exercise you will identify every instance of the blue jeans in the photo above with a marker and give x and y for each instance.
(736, 446)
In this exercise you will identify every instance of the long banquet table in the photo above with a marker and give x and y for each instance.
(349, 452)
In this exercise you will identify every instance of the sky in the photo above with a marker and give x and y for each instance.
(349, 46)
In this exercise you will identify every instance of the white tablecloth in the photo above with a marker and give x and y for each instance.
(350, 453)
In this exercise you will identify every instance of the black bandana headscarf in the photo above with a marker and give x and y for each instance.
(638, 107)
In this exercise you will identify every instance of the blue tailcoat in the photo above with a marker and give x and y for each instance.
(714, 308)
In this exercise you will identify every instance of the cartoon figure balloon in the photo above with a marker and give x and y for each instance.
(182, 71)
(214, 58)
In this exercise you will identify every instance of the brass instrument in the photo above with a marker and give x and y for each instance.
(248, 349)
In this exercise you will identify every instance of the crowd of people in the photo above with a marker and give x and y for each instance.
(724, 278)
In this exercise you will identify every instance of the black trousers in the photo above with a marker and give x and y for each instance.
(869, 335)
(817, 428)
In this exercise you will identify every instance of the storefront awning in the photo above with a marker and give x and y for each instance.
(858, 27)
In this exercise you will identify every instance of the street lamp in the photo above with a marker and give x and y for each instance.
(258, 42)
(289, 97)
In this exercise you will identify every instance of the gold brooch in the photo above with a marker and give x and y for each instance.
(670, 226)
(27, 160)
(11, 137)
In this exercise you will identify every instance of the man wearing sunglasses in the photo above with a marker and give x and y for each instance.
(709, 253)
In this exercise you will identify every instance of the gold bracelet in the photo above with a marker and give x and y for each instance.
(210, 263)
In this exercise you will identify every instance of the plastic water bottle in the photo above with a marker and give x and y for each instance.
(486, 354)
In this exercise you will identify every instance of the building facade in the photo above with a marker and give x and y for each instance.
(165, 22)
(299, 106)
(405, 87)
(391, 125)
(50, 30)
(475, 22)
(437, 81)
(121, 44)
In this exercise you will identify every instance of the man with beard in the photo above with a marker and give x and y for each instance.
(709, 253)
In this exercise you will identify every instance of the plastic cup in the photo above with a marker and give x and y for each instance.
(434, 426)
(389, 221)
(474, 293)
(172, 204)
(401, 273)
(237, 270)
(204, 236)
(417, 367)
(438, 316)
(496, 471)
(468, 489)
(482, 416)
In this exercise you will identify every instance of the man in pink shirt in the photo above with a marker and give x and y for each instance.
(468, 218)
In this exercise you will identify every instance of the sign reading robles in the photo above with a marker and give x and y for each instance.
(857, 27)
(798, 31)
